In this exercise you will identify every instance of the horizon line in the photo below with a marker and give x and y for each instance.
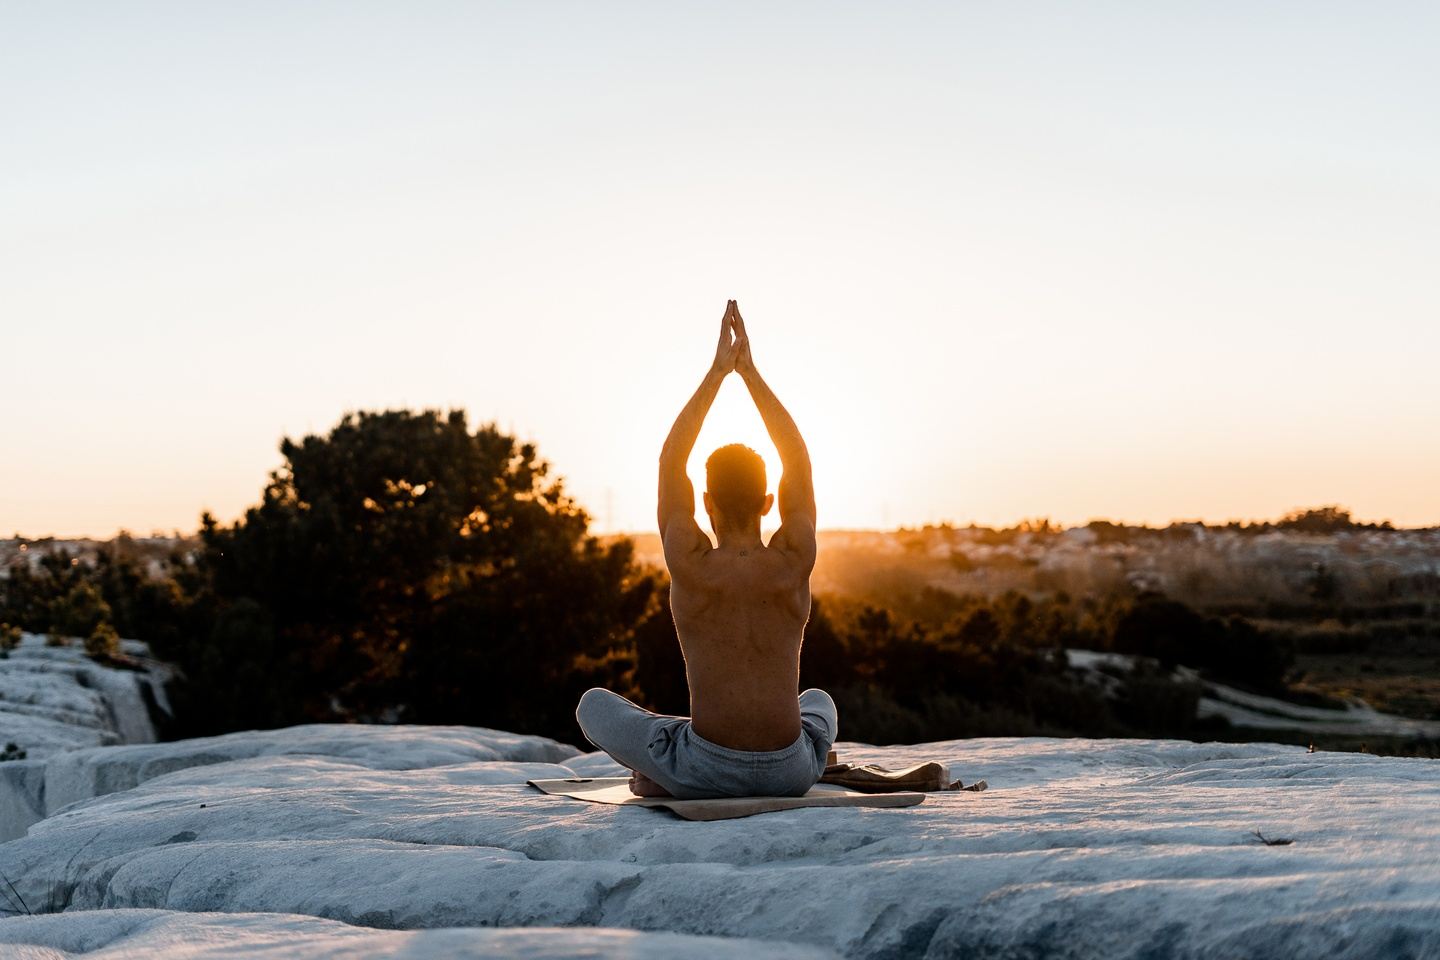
(901, 528)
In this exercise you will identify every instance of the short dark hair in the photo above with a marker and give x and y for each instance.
(735, 476)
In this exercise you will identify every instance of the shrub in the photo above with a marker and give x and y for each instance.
(79, 612)
(103, 643)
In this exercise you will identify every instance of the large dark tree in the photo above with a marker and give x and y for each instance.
(405, 567)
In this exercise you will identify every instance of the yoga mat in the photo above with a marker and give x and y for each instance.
(616, 791)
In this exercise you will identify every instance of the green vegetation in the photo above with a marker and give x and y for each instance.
(401, 568)
(404, 568)
(9, 638)
(63, 599)
(993, 669)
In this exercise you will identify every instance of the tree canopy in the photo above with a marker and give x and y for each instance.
(404, 567)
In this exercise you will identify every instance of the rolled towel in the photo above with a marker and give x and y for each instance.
(873, 778)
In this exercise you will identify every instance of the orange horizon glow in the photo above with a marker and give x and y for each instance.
(999, 263)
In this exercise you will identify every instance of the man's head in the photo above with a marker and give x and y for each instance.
(735, 482)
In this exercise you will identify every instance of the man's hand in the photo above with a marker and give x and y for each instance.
(727, 351)
(744, 363)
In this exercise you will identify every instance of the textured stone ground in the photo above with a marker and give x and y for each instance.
(55, 698)
(165, 935)
(1081, 848)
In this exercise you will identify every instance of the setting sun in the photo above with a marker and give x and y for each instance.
(1166, 325)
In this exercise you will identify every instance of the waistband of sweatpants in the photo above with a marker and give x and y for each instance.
(801, 744)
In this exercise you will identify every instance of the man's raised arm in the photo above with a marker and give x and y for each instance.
(678, 529)
(797, 491)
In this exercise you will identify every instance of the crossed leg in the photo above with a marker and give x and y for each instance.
(624, 730)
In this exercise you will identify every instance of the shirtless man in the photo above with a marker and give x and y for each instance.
(740, 610)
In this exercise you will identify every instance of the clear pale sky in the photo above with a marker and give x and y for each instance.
(1141, 261)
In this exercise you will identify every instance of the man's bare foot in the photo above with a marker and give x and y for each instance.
(643, 786)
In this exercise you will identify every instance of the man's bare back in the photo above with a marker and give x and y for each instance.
(740, 607)
(740, 613)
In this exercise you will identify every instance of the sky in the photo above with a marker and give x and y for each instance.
(1140, 261)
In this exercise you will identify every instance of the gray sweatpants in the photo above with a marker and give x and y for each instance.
(668, 751)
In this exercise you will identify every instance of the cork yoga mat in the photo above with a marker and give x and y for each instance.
(616, 791)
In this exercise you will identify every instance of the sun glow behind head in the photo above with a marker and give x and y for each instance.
(733, 419)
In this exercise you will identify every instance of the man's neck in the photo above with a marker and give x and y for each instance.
(747, 538)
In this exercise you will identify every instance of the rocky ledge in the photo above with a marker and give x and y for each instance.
(167, 935)
(1081, 848)
(55, 698)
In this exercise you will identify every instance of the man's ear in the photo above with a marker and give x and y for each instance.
(769, 502)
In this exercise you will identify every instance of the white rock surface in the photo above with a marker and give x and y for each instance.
(32, 790)
(164, 935)
(1242, 709)
(1356, 718)
(56, 698)
(1081, 848)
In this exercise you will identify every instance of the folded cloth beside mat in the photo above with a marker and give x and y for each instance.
(873, 778)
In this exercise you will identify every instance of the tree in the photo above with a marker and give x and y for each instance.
(82, 612)
(660, 664)
(825, 659)
(1230, 650)
(404, 567)
(103, 642)
(1322, 585)
(981, 629)
(30, 598)
(1329, 519)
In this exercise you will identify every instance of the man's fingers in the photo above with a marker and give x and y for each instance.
(732, 328)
